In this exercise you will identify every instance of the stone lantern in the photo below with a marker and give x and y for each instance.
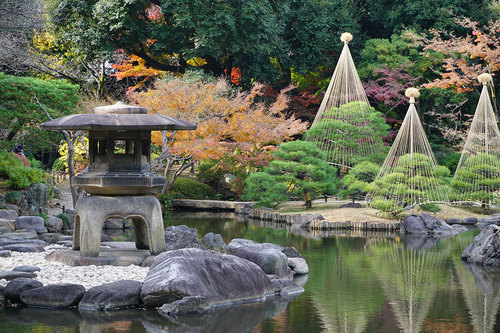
(118, 178)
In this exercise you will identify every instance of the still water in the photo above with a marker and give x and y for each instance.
(357, 283)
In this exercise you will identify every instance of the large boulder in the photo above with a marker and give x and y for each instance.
(16, 287)
(54, 296)
(220, 278)
(425, 224)
(11, 275)
(181, 236)
(54, 224)
(269, 257)
(24, 247)
(485, 249)
(29, 234)
(35, 223)
(112, 296)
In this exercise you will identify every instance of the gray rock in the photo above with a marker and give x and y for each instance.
(286, 287)
(106, 238)
(4, 230)
(148, 261)
(187, 306)
(52, 237)
(114, 224)
(16, 287)
(35, 223)
(54, 296)
(454, 220)
(221, 279)
(490, 220)
(13, 207)
(351, 205)
(298, 266)
(7, 241)
(38, 198)
(485, 249)
(29, 234)
(25, 268)
(8, 214)
(181, 236)
(271, 261)
(8, 224)
(54, 224)
(2, 295)
(24, 247)
(237, 243)
(5, 253)
(11, 275)
(469, 220)
(291, 252)
(425, 224)
(214, 242)
(112, 296)
(459, 228)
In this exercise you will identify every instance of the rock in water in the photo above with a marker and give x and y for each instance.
(54, 295)
(219, 278)
(425, 225)
(485, 249)
(16, 287)
(112, 296)
(214, 242)
(181, 236)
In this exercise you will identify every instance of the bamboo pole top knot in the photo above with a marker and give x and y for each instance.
(412, 93)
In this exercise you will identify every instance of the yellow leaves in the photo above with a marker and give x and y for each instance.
(227, 122)
(196, 61)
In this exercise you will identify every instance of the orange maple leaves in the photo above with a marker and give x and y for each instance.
(465, 57)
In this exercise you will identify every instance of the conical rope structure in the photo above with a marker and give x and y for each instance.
(477, 178)
(409, 175)
(346, 127)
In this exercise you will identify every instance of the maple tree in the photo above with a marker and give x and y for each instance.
(465, 57)
(233, 129)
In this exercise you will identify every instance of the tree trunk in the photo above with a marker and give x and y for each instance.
(307, 197)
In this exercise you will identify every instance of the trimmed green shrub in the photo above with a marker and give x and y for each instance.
(299, 170)
(357, 182)
(192, 189)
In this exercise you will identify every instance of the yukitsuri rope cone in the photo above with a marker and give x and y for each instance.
(346, 127)
(477, 178)
(409, 175)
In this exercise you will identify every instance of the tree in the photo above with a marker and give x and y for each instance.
(344, 132)
(298, 170)
(357, 182)
(412, 181)
(478, 180)
(233, 130)
(263, 39)
(464, 57)
(20, 113)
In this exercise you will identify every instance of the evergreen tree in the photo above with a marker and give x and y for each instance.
(298, 170)
(358, 181)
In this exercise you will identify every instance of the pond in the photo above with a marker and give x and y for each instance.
(357, 283)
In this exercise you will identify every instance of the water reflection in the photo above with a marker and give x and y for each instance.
(241, 318)
(481, 290)
(409, 277)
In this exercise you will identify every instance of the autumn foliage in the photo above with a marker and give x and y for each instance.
(233, 129)
(465, 57)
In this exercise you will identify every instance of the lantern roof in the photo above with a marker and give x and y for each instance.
(118, 116)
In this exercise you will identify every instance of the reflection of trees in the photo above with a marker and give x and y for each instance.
(409, 278)
(344, 294)
(481, 290)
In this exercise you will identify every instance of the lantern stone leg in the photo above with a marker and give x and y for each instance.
(92, 211)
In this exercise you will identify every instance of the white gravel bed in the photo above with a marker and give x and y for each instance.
(56, 272)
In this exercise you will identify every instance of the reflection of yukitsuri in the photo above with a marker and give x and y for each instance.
(409, 278)
(346, 127)
(477, 178)
(410, 175)
(344, 296)
(481, 290)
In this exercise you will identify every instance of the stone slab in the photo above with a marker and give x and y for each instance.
(208, 204)
(107, 256)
